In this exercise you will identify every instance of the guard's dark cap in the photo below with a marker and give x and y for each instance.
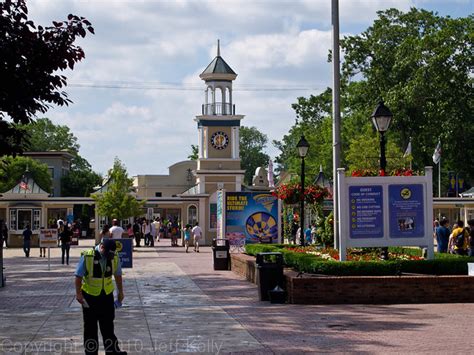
(109, 245)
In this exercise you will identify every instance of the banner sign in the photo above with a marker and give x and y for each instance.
(220, 214)
(253, 216)
(48, 238)
(385, 211)
(125, 251)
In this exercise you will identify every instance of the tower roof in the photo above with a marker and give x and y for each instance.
(218, 68)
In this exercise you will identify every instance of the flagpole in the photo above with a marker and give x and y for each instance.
(439, 177)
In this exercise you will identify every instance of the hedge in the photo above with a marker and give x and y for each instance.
(443, 264)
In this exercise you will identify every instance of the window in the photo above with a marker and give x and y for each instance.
(158, 194)
(24, 219)
(102, 222)
(192, 215)
(36, 219)
(13, 219)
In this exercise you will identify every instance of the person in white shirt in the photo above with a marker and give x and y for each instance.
(146, 230)
(197, 233)
(157, 224)
(116, 231)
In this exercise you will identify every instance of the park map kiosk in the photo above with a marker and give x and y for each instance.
(48, 238)
(386, 211)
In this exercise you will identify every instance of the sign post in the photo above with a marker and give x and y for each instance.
(385, 211)
(48, 238)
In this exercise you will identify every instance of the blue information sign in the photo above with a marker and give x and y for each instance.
(125, 252)
(406, 211)
(366, 212)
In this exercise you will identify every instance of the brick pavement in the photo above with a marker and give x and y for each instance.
(176, 303)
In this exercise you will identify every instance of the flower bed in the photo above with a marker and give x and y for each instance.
(365, 262)
(341, 285)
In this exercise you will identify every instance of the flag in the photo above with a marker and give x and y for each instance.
(24, 183)
(408, 150)
(437, 153)
(271, 182)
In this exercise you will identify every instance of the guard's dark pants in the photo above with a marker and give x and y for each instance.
(101, 310)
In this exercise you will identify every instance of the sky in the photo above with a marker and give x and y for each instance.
(138, 91)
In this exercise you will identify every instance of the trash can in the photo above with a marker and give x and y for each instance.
(220, 254)
(269, 273)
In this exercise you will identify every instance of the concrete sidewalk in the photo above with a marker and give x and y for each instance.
(176, 303)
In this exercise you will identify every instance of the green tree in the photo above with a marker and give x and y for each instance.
(117, 201)
(13, 168)
(194, 152)
(252, 144)
(420, 64)
(31, 58)
(46, 136)
(314, 122)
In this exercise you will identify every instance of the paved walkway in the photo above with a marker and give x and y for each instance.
(175, 303)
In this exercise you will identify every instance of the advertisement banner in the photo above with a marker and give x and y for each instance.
(125, 252)
(220, 214)
(252, 216)
(48, 238)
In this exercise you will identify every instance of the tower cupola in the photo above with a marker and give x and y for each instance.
(218, 77)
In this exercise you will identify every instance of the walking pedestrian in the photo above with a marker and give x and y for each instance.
(157, 224)
(27, 240)
(471, 237)
(146, 230)
(95, 292)
(460, 238)
(187, 236)
(136, 232)
(197, 233)
(66, 238)
(3, 233)
(116, 232)
(442, 236)
(105, 232)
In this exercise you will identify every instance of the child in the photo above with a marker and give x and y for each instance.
(187, 236)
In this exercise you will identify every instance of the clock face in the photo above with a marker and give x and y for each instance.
(219, 140)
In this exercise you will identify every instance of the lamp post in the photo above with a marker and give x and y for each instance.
(381, 119)
(303, 147)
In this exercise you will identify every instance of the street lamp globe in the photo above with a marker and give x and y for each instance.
(303, 147)
(381, 117)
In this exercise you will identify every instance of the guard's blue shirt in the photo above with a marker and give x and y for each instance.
(81, 266)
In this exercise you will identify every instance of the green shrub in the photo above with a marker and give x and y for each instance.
(443, 264)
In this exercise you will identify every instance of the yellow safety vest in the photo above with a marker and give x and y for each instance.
(95, 280)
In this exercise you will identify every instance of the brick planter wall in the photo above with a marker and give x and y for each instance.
(244, 265)
(366, 289)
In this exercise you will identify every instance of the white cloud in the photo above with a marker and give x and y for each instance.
(149, 44)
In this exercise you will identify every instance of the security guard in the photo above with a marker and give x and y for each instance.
(94, 291)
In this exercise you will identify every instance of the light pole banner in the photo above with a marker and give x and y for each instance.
(385, 211)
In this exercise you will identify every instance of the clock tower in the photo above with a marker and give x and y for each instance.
(218, 164)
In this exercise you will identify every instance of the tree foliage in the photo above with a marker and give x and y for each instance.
(252, 145)
(117, 201)
(194, 152)
(13, 168)
(30, 58)
(47, 136)
(419, 63)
